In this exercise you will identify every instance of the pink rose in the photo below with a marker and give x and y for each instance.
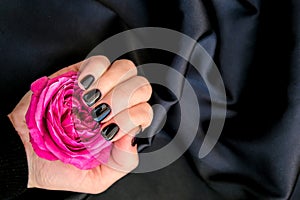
(61, 126)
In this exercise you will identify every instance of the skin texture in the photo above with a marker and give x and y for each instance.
(130, 113)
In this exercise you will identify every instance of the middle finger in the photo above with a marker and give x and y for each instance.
(127, 94)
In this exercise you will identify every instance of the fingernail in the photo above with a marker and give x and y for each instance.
(134, 140)
(87, 81)
(92, 97)
(110, 131)
(100, 112)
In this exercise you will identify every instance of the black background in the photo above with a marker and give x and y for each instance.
(255, 45)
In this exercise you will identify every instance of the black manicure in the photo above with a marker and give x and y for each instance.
(135, 140)
(87, 81)
(110, 131)
(100, 112)
(92, 97)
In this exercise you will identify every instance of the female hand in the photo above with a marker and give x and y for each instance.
(126, 95)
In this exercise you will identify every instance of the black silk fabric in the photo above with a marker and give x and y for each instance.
(256, 47)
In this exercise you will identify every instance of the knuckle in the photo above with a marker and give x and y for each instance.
(148, 114)
(142, 115)
(99, 59)
(146, 109)
(142, 80)
(128, 69)
(125, 62)
(124, 68)
(147, 91)
(144, 85)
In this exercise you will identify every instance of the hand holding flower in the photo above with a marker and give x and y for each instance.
(93, 148)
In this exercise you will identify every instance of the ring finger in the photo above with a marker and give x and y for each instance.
(129, 121)
(127, 94)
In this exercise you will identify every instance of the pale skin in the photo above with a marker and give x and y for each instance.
(130, 113)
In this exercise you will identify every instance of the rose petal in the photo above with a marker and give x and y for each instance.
(61, 126)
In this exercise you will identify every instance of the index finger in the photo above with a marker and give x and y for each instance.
(91, 69)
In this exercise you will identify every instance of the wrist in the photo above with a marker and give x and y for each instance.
(31, 178)
(21, 128)
(13, 164)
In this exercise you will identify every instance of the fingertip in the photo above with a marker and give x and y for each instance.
(125, 144)
(91, 69)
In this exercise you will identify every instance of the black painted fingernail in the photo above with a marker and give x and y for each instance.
(92, 97)
(100, 112)
(135, 140)
(110, 131)
(87, 81)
